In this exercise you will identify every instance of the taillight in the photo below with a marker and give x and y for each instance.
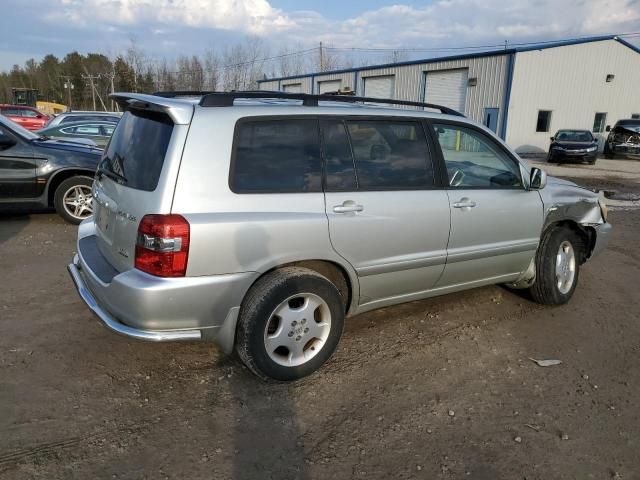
(162, 248)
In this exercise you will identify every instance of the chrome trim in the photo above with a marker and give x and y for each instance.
(466, 254)
(112, 324)
(399, 266)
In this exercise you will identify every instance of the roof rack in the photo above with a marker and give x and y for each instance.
(226, 99)
(181, 93)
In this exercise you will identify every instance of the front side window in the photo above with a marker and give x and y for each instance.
(544, 121)
(29, 113)
(598, 122)
(474, 161)
(390, 154)
(277, 156)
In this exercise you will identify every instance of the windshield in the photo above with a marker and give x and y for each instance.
(574, 136)
(135, 155)
(634, 126)
(18, 129)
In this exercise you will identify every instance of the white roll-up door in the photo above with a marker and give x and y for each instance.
(292, 88)
(379, 87)
(329, 86)
(447, 88)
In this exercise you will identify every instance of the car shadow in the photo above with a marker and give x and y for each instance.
(265, 446)
(12, 222)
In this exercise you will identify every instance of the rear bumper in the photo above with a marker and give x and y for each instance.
(112, 324)
(145, 307)
(603, 233)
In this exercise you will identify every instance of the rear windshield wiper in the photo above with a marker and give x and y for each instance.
(112, 175)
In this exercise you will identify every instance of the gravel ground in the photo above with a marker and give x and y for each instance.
(443, 388)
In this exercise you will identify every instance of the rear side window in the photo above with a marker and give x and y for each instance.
(340, 171)
(276, 156)
(390, 155)
(137, 149)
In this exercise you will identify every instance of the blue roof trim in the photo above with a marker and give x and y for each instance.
(627, 44)
(511, 62)
(489, 53)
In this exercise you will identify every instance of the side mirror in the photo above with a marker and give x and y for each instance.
(6, 142)
(552, 139)
(608, 129)
(538, 179)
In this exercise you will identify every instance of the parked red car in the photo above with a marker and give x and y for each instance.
(27, 117)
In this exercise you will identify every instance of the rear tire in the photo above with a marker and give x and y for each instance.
(557, 267)
(290, 323)
(73, 199)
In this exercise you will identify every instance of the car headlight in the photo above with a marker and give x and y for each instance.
(592, 149)
(556, 147)
(603, 208)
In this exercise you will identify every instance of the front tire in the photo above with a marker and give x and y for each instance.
(289, 324)
(73, 199)
(557, 267)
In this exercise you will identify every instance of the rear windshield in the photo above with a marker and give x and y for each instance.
(137, 149)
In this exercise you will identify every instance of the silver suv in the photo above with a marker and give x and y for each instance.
(259, 221)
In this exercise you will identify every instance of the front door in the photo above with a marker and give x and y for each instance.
(495, 222)
(386, 217)
(17, 168)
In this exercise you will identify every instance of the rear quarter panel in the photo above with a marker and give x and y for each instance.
(232, 232)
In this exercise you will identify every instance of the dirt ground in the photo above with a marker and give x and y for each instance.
(443, 388)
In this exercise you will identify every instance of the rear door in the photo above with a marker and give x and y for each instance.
(495, 221)
(136, 177)
(386, 216)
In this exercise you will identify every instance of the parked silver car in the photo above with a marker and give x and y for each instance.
(261, 223)
(83, 116)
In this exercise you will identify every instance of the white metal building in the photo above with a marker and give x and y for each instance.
(524, 94)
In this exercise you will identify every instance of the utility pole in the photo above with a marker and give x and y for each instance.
(321, 58)
(111, 76)
(68, 86)
(91, 78)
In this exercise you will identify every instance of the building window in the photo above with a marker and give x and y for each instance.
(544, 121)
(599, 121)
(635, 115)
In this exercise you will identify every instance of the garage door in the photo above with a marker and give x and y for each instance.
(379, 87)
(292, 88)
(329, 86)
(448, 88)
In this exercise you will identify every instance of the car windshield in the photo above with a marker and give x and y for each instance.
(573, 136)
(18, 129)
(634, 126)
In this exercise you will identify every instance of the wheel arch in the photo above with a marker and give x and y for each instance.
(585, 233)
(62, 175)
(342, 277)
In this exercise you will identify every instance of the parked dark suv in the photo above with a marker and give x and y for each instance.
(37, 170)
(623, 139)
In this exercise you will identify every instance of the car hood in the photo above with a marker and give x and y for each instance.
(61, 144)
(561, 185)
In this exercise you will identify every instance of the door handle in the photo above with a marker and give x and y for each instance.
(348, 207)
(464, 203)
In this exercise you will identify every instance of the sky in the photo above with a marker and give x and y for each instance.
(33, 28)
